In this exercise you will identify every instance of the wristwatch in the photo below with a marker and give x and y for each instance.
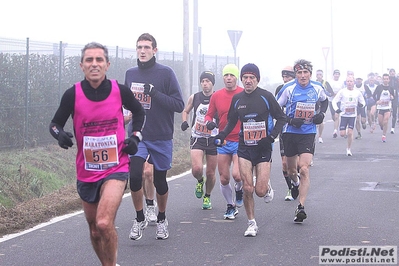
(138, 135)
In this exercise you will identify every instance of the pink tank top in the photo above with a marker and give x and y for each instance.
(100, 132)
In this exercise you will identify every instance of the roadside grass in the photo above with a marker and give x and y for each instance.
(32, 173)
(38, 184)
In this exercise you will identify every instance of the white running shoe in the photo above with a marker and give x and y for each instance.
(320, 140)
(289, 196)
(269, 194)
(136, 232)
(150, 213)
(348, 152)
(162, 230)
(252, 229)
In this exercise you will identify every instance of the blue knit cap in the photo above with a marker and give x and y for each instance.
(250, 69)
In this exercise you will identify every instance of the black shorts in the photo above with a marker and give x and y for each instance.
(90, 192)
(296, 144)
(254, 155)
(347, 122)
(361, 111)
(280, 140)
(370, 102)
(205, 144)
(383, 111)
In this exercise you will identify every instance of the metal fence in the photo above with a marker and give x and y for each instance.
(34, 75)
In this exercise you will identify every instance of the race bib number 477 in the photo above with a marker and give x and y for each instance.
(253, 132)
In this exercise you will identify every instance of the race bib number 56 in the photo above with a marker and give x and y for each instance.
(100, 153)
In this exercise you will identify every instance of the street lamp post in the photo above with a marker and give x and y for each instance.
(325, 53)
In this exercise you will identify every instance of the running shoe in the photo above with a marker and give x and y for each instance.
(295, 190)
(162, 230)
(206, 203)
(348, 152)
(300, 214)
(335, 134)
(320, 140)
(231, 212)
(359, 136)
(252, 229)
(269, 194)
(384, 138)
(136, 232)
(150, 214)
(392, 131)
(199, 189)
(239, 200)
(289, 196)
(364, 125)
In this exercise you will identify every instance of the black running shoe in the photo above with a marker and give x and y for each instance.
(300, 214)
(294, 190)
(239, 199)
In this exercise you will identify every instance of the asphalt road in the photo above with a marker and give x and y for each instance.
(352, 201)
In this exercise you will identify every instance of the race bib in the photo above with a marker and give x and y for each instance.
(305, 111)
(384, 103)
(138, 92)
(253, 132)
(100, 153)
(350, 109)
(200, 128)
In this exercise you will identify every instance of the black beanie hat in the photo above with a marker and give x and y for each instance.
(209, 75)
(250, 69)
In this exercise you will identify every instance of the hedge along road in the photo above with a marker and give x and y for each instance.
(352, 201)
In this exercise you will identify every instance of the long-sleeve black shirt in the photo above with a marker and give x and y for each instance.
(259, 105)
(130, 103)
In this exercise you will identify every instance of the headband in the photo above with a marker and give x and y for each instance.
(298, 67)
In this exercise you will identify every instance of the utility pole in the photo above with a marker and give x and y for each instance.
(195, 47)
(332, 36)
(186, 51)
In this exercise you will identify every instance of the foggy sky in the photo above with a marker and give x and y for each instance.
(275, 33)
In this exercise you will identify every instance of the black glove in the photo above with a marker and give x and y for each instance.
(338, 111)
(266, 143)
(210, 125)
(296, 122)
(149, 89)
(184, 126)
(132, 143)
(219, 139)
(64, 139)
(318, 118)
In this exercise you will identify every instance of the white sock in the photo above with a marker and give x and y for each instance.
(227, 192)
